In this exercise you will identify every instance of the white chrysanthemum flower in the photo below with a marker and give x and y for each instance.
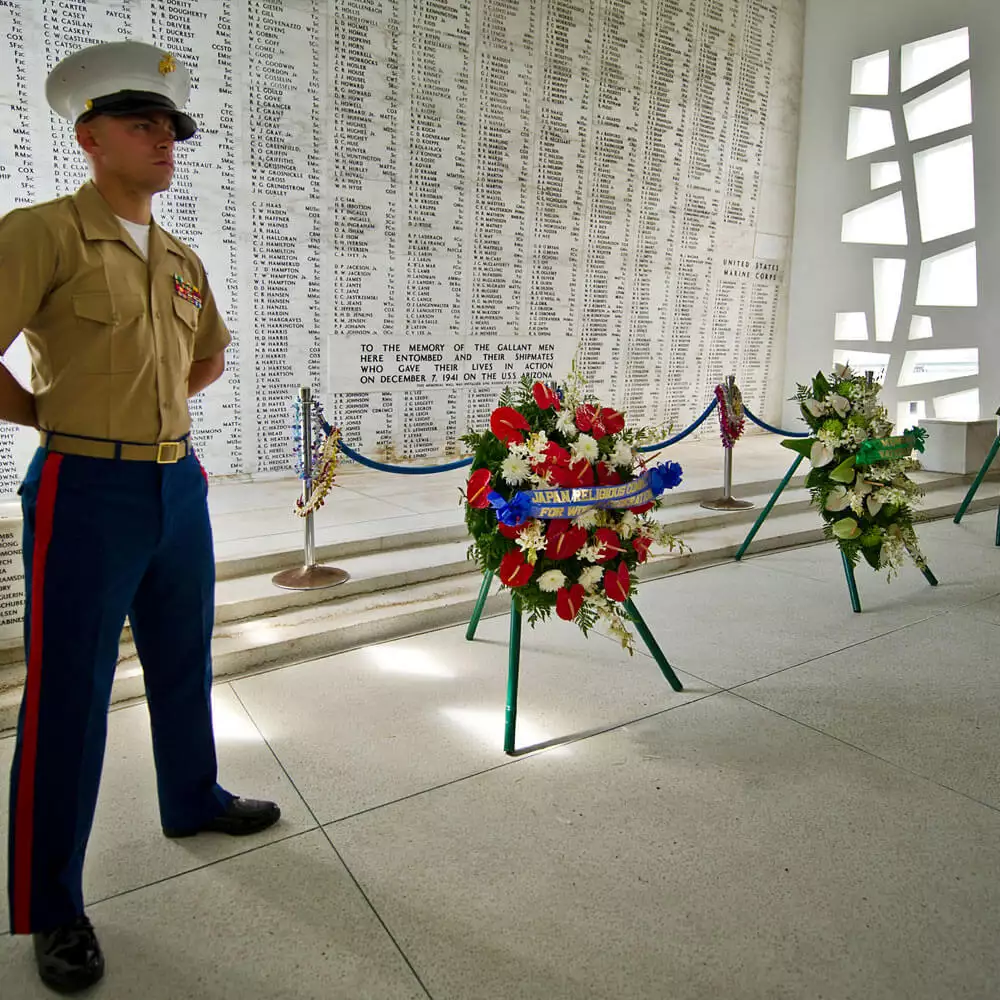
(623, 456)
(585, 447)
(590, 578)
(521, 450)
(515, 469)
(588, 519)
(821, 454)
(551, 581)
(566, 423)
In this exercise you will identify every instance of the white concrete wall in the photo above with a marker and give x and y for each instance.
(828, 276)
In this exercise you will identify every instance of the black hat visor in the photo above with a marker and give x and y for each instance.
(136, 102)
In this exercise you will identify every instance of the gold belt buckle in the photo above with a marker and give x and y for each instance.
(174, 456)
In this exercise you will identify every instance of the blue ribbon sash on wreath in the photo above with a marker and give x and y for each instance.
(560, 504)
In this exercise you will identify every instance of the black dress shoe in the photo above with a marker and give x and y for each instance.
(240, 817)
(69, 958)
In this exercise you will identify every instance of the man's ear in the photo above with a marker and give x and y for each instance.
(88, 136)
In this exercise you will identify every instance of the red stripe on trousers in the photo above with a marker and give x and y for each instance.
(25, 806)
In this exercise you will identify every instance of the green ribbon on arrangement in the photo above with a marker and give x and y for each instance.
(877, 450)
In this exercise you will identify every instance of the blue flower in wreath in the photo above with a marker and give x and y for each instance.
(664, 476)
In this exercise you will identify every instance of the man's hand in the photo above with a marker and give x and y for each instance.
(205, 372)
(16, 404)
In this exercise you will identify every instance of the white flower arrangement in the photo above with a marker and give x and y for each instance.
(515, 469)
(551, 581)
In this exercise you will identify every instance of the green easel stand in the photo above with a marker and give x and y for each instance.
(852, 583)
(977, 482)
(514, 655)
(768, 507)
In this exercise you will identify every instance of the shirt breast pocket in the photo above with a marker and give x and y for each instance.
(187, 326)
(112, 332)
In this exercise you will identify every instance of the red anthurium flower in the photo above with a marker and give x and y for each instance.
(641, 544)
(545, 396)
(569, 601)
(514, 571)
(507, 424)
(581, 473)
(597, 428)
(613, 420)
(585, 417)
(643, 508)
(617, 583)
(607, 475)
(477, 489)
(610, 543)
(563, 540)
(508, 532)
(560, 477)
(556, 454)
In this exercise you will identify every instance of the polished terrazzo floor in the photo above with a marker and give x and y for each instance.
(816, 816)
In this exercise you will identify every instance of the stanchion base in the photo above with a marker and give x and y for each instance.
(727, 503)
(310, 578)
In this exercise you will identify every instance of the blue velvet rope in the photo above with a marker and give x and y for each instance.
(683, 434)
(427, 470)
(774, 430)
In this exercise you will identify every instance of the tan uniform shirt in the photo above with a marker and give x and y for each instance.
(111, 337)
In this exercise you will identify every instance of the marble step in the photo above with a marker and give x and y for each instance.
(399, 591)
(392, 560)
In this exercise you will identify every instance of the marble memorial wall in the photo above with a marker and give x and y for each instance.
(410, 205)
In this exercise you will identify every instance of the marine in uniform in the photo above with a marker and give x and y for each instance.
(122, 329)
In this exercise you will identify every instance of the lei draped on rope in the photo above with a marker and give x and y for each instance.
(559, 504)
(859, 480)
(322, 458)
(731, 419)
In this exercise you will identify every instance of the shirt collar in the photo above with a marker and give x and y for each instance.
(100, 222)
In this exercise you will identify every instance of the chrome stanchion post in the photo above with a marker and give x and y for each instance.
(309, 576)
(731, 407)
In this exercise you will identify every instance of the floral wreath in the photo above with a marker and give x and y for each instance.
(858, 479)
(322, 466)
(731, 419)
(558, 504)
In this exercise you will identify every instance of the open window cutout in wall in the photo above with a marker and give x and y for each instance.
(958, 405)
(870, 74)
(863, 361)
(946, 194)
(868, 130)
(884, 174)
(881, 222)
(851, 326)
(908, 413)
(941, 365)
(945, 107)
(949, 279)
(888, 276)
(926, 58)
(933, 110)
